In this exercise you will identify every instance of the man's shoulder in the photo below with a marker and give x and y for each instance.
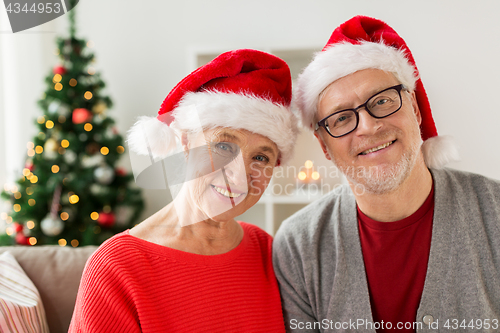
(312, 218)
(451, 179)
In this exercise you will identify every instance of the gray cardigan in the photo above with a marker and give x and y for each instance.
(319, 264)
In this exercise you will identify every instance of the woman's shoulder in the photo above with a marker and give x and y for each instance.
(255, 234)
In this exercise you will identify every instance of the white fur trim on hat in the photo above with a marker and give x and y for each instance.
(210, 109)
(244, 111)
(342, 59)
(439, 151)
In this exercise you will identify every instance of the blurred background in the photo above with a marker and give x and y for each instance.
(144, 48)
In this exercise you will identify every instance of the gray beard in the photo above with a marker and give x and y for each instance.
(381, 180)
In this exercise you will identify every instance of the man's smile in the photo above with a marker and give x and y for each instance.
(377, 148)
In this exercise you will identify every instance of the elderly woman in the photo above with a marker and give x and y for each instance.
(191, 267)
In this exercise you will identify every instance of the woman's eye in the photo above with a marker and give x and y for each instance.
(224, 147)
(262, 158)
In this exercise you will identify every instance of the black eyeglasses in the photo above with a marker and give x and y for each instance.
(381, 105)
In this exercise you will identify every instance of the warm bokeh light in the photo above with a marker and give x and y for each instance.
(26, 172)
(3, 215)
(75, 243)
(9, 231)
(74, 199)
(29, 191)
(55, 168)
(31, 145)
(61, 150)
(64, 216)
(31, 202)
(17, 195)
(73, 82)
(58, 86)
(302, 175)
(57, 78)
(31, 153)
(17, 208)
(88, 127)
(308, 164)
(40, 120)
(32, 240)
(94, 216)
(105, 151)
(120, 149)
(39, 149)
(30, 224)
(65, 143)
(49, 124)
(91, 70)
(62, 242)
(87, 95)
(315, 175)
(33, 179)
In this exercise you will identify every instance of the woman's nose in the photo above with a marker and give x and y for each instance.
(236, 171)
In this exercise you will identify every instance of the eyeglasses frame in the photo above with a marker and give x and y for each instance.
(322, 122)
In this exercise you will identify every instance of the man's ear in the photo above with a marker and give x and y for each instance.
(323, 146)
(416, 109)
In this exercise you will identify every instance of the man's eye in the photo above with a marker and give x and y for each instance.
(382, 101)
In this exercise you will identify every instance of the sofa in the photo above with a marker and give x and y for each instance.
(56, 273)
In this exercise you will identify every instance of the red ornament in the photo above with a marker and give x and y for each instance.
(17, 227)
(29, 165)
(106, 220)
(81, 116)
(60, 70)
(21, 239)
(120, 172)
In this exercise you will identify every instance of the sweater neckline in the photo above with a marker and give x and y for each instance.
(417, 216)
(193, 258)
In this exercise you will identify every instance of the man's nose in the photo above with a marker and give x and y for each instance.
(367, 125)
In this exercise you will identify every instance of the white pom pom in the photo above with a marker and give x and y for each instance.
(149, 136)
(439, 151)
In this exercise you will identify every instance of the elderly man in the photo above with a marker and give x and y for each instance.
(408, 246)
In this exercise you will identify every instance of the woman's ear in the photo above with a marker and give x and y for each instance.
(185, 143)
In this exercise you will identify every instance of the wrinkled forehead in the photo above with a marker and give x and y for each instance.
(353, 89)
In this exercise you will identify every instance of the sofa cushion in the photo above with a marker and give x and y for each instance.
(56, 272)
(21, 309)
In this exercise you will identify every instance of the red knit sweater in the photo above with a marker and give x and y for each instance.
(131, 285)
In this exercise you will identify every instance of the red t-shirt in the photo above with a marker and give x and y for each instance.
(396, 256)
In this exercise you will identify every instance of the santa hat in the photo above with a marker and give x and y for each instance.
(362, 43)
(241, 89)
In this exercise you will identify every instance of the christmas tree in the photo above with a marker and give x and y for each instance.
(71, 193)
